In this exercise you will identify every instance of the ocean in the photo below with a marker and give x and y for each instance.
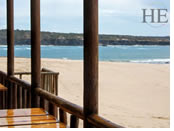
(135, 54)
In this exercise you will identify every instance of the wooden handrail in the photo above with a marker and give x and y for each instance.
(101, 122)
(65, 105)
(76, 110)
(19, 92)
(29, 73)
(20, 82)
(62, 103)
(13, 79)
(46, 70)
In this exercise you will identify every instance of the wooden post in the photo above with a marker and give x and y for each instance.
(10, 37)
(35, 49)
(90, 59)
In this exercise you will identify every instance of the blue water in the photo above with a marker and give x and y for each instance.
(139, 54)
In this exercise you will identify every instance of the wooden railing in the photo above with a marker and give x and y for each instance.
(75, 111)
(18, 93)
(19, 96)
(49, 82)
(49, 79)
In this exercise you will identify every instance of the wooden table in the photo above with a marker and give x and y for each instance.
(3, 93)
(28, 118)
(3, 88)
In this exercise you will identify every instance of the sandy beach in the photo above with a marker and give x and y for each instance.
(130, 94)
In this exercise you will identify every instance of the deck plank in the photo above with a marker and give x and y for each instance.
(28, 118)
(22, 112)
(52, 125)
(15, 121)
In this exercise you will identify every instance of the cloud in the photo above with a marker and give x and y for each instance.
(65, 8)
(67, 15)
(61, 8)
(129, 7)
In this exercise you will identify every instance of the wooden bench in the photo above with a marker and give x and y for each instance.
(3, 94)
(28, 118)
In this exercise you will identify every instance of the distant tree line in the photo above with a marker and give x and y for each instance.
(22, 37)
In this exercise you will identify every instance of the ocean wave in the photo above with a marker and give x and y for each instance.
(3, 46)
(118, 46)
(28, 48)
(19, 48)
(64, 58)
(137, 45)
(152, 61)
(43, 46)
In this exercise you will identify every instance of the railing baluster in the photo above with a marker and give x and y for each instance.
(15, 96)
(28, 98)
(1, 100)
(48, 83)
(12, 95)
(24, 98)
(43, 81)
(19, 95)
(48, 86)
(4, 99)
(52, 109)
(51, 84)
(4, 79)
(63, 116)
(54, 85)
(1, 78)
(37, 101)
(57, 76)
(42, 103)
(20, 76)
(9, 95)
(74, 121)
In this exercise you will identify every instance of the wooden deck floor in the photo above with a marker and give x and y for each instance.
(28, 118)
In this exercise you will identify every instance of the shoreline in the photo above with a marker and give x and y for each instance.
(163, 63)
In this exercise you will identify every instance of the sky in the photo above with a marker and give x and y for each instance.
(121, 17)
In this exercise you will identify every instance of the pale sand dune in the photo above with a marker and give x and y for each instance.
(133, 95)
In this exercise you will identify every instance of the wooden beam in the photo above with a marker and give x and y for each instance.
(90, 59)
(10, 37)
(35, 48)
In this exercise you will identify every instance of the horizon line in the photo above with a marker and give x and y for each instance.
(99, 33)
